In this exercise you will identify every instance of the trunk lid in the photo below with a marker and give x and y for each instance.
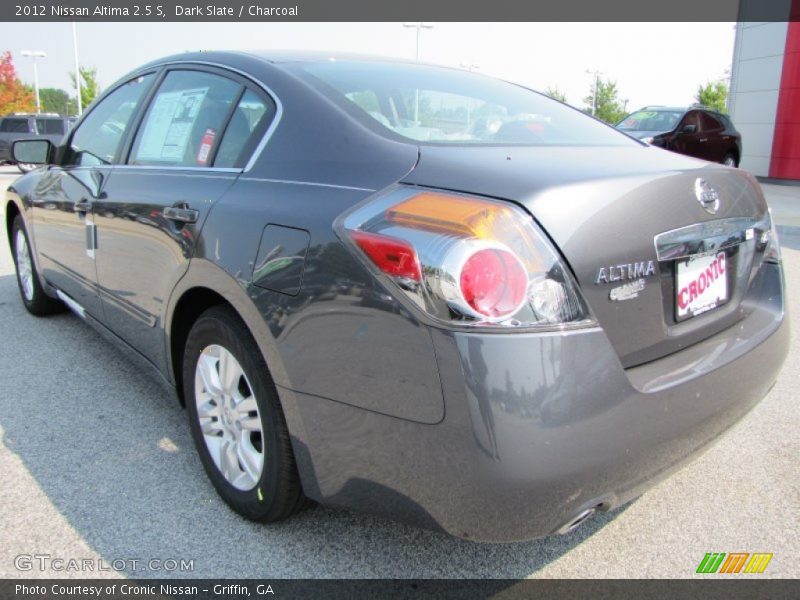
(606, 209)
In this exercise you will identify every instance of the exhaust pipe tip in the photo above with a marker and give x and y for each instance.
(577, 521)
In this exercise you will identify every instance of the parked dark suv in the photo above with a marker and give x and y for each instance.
(695, 131)
(20, 126)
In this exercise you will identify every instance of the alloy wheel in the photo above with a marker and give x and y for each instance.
(229, 418)
(24, 265)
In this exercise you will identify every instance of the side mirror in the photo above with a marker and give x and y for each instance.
(689, 129)
(32, 152)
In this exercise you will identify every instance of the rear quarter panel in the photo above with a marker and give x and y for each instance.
(342, 337)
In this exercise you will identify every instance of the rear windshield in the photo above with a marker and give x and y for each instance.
(445, 106)
(651, 120)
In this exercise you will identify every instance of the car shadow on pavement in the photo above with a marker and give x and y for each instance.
(112, 453)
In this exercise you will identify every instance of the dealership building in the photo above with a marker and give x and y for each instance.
(765, 95)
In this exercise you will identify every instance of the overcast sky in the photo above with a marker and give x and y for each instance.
(653, 63)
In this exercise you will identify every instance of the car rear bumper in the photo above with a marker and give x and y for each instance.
(540, 427)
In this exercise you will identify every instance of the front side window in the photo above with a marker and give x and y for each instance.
(15, 126)
(98, 138)
(185, 119)
(691, 118)
(444, 106)
(251, 114)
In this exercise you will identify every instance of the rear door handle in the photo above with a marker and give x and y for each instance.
(703, 139)
(83, 206)
(181, 214)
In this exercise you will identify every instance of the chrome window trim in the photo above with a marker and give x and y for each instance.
(179, 168)
(278, 104)
(312, 183)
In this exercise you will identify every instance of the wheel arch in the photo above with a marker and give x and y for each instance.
(204, 285)
(11, 210)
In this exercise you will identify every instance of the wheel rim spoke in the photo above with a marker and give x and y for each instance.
(229, 372)
(229, 417)
(250, 458)
(207, 369)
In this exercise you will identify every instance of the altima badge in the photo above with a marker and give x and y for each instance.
(706, 195)
(636, 270)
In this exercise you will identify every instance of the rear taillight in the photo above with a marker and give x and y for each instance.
(465, 260)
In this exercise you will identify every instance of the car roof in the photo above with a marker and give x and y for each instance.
(279, 57)
(283, 56)
(658, 108)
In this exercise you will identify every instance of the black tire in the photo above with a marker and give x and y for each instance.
(730, 160)
(278, 493)
(39, 303)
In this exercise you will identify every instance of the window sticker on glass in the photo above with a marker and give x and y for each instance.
(169, 125)
(205, 146)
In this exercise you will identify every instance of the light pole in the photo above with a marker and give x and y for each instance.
(419, 26)
(77, 67)
(469, 67)
(34, 54)
(596, 84)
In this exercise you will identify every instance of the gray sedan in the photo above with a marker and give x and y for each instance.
(406, 289)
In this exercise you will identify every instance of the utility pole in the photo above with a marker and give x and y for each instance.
(77, 67)
(419, 26)
(34, 54)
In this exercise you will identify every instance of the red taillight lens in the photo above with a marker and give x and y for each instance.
(464, 260)
(494, 283)
(394, 257)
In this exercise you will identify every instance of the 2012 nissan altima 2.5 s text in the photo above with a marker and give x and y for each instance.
(406, 289)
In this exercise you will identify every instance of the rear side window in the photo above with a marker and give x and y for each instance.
(709, 122)
(97, 139)
(248, 120)
(50, 126)
(15, 126)
(185, 120)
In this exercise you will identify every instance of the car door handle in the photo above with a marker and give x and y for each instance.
(181, 214)
(83, 206)
(703, 139)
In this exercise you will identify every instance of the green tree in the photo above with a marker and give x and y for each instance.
(556, 94)
(89, 86)
(714, 94)
(56, 100)
(15, 96)
(605, 102)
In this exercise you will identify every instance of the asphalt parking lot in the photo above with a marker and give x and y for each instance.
(99, 464)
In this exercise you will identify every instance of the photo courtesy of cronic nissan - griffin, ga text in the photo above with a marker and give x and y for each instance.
(406, 289)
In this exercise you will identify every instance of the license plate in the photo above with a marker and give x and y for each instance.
(701, 285)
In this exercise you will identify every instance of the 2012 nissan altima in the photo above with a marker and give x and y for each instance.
(406, 289)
